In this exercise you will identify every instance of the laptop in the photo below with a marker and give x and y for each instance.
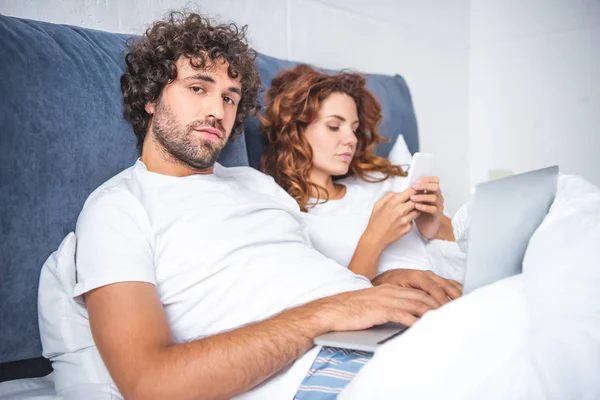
(504, 215)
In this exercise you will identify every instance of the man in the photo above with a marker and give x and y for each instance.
(199, 280)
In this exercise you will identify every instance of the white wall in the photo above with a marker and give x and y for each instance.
(426, 41)
(497, 84)
(534, 82)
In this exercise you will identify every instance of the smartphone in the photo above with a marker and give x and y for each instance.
(423, 164)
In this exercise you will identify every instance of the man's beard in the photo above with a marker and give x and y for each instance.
(182, 144)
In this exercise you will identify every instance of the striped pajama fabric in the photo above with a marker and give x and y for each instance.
(332, 370)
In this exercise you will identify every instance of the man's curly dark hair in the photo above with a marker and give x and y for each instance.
(151, 64)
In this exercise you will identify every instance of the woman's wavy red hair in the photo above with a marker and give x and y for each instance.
(293, 103)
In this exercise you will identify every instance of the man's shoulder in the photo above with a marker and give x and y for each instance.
(119, 191)
(115, 206)
(257, 181)
(247, 173)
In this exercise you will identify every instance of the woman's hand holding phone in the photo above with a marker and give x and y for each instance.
(429, 201)
(392, 218)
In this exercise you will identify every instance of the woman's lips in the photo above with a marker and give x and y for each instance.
(346, 157)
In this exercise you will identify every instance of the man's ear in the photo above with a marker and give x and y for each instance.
(149, 108)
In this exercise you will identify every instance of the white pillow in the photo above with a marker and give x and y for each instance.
(64, 326)
(399, 154)
(65, 331)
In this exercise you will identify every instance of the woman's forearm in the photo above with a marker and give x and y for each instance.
(365, 259)
(446, 231)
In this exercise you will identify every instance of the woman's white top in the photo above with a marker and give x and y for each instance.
(335, 227)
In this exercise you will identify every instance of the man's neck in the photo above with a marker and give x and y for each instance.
(157, 162)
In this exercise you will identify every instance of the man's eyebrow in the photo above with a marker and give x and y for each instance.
(235, 89)
(202, 76)
(341, 118)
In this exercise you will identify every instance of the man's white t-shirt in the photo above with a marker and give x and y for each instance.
(223, 250)
(335, 228)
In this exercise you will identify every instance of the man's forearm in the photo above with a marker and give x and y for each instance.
(228, 364)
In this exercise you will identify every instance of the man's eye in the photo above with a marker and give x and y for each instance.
(334, 128)
(229, 100)
(197, 89)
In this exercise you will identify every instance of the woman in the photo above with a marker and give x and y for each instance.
(321, 132)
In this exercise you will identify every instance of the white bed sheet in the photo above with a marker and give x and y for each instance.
(31, 388)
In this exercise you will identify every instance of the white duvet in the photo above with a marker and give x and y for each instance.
(532, 336)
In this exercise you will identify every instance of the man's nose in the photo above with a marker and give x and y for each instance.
(214, 107)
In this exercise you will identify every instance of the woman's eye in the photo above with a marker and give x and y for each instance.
(334, 128)
(197, 89)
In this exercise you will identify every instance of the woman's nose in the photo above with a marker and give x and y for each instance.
(350, 137)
